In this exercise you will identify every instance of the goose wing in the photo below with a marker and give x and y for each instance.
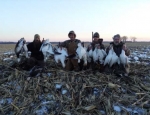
(50, 49)
(122, 57)
(19, 46)
(78, 51)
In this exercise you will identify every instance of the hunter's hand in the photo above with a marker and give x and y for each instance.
(124, 47)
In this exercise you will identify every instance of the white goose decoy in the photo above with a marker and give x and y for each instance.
(7, 59)
(20, 47)
(62, 56)
(123, 58)
(47, 49)
(9, 53)
(136, 58)
(108, 57)
(81, 54)
(114, 59)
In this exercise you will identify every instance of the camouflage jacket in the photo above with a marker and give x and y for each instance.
(98, 42)
(118, 49)
(71, 45)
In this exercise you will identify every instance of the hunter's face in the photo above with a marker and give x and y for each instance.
(37, 39)
(116, 40)
(95, 39)
(72, 36)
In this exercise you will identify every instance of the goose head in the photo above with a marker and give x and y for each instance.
(79, 45)
(46, 41)
(21, 41)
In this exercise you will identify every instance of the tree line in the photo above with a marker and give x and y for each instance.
(125, 38)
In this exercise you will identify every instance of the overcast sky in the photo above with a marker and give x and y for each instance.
(53, 19)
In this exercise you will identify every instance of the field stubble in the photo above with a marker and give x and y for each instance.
(80, 93)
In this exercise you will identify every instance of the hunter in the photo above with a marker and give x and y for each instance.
(36, 58)
(97, 41)
(71, 45)
(118, 45)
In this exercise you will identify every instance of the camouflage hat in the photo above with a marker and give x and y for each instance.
(96, 35)
(116, 36)
(71, 32)
(36, 36)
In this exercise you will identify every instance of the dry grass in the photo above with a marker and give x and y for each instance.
(6, 47)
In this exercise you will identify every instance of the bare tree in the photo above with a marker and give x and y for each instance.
(124, 38)
(133, 39)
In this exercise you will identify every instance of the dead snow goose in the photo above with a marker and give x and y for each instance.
(62, 56)
(114, 59)
(20, 47)
(89, 55)
(101, 54)
(46, 49)
(81, 53)
(108, 57)
(94, 54)
(123, 58)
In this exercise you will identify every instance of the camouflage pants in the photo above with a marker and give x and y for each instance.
(117, 69)
(72, 64)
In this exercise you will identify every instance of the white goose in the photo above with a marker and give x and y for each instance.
(108, 57)
(101, 54)
(114, 59)
(20, 48)
(94, 54)
(89, 53)
(123, 58)
(62, 56)
(81, 54)
(47, 49)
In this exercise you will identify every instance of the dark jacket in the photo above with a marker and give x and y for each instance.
(35, 51)
(118, 49)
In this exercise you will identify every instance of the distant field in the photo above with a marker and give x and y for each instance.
(10, 47)
(6, 47)
(134, 44)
